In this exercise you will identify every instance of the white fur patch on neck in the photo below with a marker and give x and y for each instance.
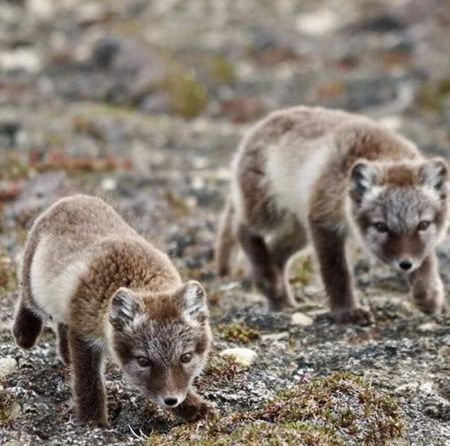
(293, 173)
(53, 292)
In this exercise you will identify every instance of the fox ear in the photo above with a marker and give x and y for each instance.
(124, 309)
(434, 173)
(193, 302)
(363, 176)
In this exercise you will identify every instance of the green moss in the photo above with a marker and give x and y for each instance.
(8, 279)
(13, 167)
(432, 94)
(8, 407)
(443, 86)
(302, 271)
(81, 124)
(252, 433)
(341, 409)
(221, 70)
(187, 95)
(221, 370)
(240, 333)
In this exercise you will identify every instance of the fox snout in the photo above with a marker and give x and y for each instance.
(406, 264)
(170, 400)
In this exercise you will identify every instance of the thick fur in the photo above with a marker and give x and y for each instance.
(109, 290)
(312, 173)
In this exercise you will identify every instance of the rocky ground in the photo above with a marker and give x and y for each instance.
(144, 103)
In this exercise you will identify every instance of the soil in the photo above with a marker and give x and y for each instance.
(144, 103)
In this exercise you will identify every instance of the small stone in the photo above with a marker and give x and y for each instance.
(427, 326)
(426, 388)
(301, 319)
(109, 184)
(21, 59)
(241, 355)
(7, 366)
(275, 336)
(406, 388)
(317, 23)
(14, 411)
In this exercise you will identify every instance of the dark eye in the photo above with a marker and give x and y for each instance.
(423, 225)
(380, 226)
(186, 358)
(143, 361)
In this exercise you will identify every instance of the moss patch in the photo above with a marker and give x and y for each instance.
(221, 70)
(8, 279)
(8, 407)
(341, 409)
(187, 95)
(221, 370)
(431, 95)
(240, 333)
(13, 167)
(302, 271)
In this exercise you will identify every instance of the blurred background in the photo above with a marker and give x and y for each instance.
(165, 89)
(147, 100)
(144, 102)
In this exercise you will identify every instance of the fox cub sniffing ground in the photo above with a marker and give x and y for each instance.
(316, 173)
(109, 290)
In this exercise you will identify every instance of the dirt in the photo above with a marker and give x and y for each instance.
(144, 103)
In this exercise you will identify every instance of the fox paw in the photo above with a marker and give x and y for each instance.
(27, 328)
(282, 305)
(193, 413)
(282, 301)
(357, 316)
(429, 301)
(95, 421)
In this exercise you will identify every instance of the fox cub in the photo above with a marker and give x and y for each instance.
(109, 290)
(316, 173)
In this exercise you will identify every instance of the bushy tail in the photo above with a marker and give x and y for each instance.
(226, 241)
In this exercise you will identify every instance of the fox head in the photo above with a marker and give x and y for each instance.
(161, 341)
(399, 208)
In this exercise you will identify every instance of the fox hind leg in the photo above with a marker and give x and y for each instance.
(283, 245)
(265, 273)
(63, 343)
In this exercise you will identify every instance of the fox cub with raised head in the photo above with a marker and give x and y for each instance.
(109, 290)
(312, 173)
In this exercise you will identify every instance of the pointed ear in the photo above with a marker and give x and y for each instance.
(363, 176)
(193, 301)
(434, 173)
(124, 309)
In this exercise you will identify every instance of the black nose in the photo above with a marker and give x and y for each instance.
(171, 401)
(405, 264)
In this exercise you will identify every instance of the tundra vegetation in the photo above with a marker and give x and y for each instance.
(144, 103)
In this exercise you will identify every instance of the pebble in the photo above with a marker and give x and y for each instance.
(301, 320)
(241, 355)
(109, 184)
(275, 336)
(317, 23)
(21, 59)
(7, 366)
(428, 326)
